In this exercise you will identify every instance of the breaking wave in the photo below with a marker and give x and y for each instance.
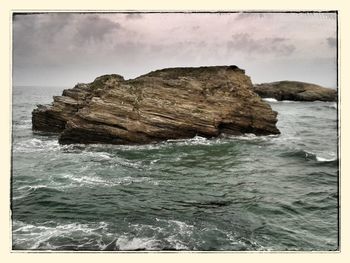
(310, 156)
(270, 99)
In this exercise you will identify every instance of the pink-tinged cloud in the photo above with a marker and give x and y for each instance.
(66, 48)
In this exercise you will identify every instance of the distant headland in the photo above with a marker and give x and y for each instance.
(295, 90)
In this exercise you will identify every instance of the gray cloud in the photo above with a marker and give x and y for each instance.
(94, 28)
(34, 38)
(332, 42)
(50, 39)
(244, 42)
(65, 48)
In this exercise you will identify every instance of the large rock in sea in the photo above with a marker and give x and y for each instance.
(172, 103)
(295, 90)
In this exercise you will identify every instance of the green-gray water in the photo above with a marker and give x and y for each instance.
(237, 193)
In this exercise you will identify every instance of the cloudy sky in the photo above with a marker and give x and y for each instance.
(62, 49)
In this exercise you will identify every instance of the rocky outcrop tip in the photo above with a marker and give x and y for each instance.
(295, 91)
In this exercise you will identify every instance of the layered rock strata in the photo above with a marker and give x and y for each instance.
(172, 103)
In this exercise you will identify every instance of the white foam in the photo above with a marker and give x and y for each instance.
(104, 156)
(85, 180)
(175, 231)
(36, 145)
(237, 241)
(179, 227)
(98, 156)
(31, 236)
(270, 99)
(333, 105)
(126, 243)
(196, 140)
(253, 137)
(182, 227)
(290, 101)
(25, 190)
(322, 159)
(154, 161)
(77, 180)
(93, 147)
(31, 187)
(20, 196)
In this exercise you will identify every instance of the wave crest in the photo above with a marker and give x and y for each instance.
(310, 156)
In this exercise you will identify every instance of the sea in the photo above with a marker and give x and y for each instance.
(233, 193)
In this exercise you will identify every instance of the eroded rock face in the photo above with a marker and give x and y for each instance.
(165, 104)
(295, 90)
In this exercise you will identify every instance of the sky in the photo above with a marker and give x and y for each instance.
(63, 49)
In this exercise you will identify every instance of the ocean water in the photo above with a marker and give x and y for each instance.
(269, 193)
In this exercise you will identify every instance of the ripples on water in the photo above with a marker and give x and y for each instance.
(229, 193)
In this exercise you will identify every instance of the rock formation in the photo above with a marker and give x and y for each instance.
(165, 104)
(294, 90)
